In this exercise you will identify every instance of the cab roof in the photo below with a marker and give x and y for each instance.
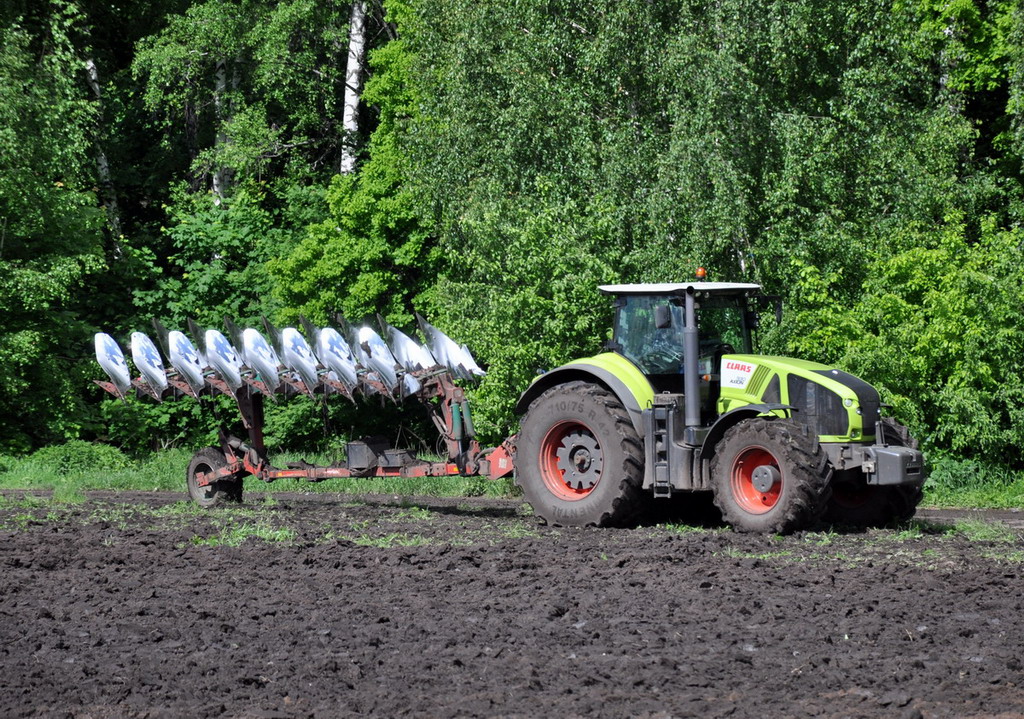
(683, 288)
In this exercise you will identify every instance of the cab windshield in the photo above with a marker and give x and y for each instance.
(658, 350)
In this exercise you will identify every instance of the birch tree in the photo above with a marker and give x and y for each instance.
(353, 84)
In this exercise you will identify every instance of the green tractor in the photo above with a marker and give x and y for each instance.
(679, 403)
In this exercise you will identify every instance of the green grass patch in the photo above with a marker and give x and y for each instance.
(978, 530)
(420, 514)
(233, 534)
(966, 483)
(77, 467)
(821, 539)
(408, 487)
(395, 539)
(1010, 556)
(681, 528)
(740, 554)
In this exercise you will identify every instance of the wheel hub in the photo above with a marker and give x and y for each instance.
(579, 459)
(764, 477)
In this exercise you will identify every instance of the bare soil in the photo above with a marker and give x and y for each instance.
(137, 605)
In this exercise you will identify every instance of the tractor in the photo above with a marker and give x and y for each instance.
(679, 403)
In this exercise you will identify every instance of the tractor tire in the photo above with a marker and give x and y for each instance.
(770, 475)
(223, 491)
(859, 505)
(579, 460)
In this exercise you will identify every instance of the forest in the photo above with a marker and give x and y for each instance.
(188, 158)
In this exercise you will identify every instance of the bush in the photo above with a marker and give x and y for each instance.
(78, 456)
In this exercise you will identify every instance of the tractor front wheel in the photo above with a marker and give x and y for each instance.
(770, 475)
(223, 491)
(578, 458)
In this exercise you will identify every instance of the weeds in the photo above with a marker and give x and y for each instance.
(821, 539)
(232, 534)
(980, 531)
(396, 539)
(677, 528)
(416, 513)
(519, 531)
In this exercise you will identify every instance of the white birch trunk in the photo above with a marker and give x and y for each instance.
(107, 193)
(220, 179)
(353, 84)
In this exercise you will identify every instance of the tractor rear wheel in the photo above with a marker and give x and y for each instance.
(578, 458)
(223, 491)
(855, 503)
(770, 475)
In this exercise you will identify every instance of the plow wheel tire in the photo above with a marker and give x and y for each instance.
(223, 491)
(770, 475)
(579, 460)
(855, 503)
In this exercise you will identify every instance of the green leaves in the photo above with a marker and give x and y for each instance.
(936, 328)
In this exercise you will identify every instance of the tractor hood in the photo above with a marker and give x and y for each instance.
(839, 406)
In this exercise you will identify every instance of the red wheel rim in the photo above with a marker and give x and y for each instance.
(571, 461)
(749, 486)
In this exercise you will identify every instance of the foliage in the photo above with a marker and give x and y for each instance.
(861, 159)
(216, 269)
(374, 252)
(79, 456)
(50, 232)
(247, 86)
(572, 144)
(937, 329)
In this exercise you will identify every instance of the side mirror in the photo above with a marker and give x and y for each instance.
(753, 320)
(775, 301)
(662, 317)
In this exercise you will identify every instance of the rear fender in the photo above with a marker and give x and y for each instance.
(612, 371)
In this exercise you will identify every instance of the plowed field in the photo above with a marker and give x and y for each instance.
(138, 605)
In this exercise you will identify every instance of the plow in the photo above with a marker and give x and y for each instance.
(316, 362)
(678, 402)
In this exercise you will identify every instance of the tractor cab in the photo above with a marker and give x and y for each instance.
(651, 329)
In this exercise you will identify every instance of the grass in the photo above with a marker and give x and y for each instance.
(416, 513)
(233, 534)
(69, 477)
(79, 469)
(954, 482)
(677, 528)
(980, 531)
(71, 470)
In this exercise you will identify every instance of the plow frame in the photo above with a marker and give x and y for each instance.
(452, 420)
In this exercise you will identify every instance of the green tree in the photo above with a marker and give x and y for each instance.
(375, 251)
(937, 328)
(51, 239)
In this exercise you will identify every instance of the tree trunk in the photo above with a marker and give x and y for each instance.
(220, 173)
(106, 183)
(353, 84)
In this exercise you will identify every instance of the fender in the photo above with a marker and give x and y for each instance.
(735, 416)
(610, 370)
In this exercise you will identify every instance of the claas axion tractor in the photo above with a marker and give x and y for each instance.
(677, 403)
